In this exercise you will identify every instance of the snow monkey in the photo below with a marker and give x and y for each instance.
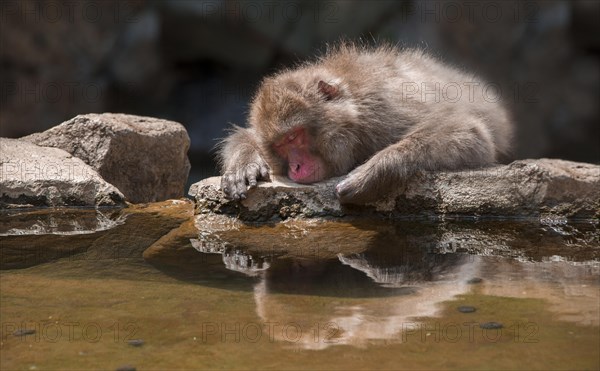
(376, 114)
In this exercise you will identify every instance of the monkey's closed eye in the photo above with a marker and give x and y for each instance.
(290, 138)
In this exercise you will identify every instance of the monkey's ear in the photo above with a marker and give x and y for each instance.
(329, 91)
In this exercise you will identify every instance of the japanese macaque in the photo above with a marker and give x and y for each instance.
(376, 114)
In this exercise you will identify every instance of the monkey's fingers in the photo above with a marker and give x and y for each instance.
(233, 185)
(239, 188)
(344, 191)
(355, 189)
(252, 174)
(264, 172)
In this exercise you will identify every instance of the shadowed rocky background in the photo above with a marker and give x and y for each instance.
(198, 62)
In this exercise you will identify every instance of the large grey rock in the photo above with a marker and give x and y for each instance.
(42, 176)
(528, 188)
(146, 158)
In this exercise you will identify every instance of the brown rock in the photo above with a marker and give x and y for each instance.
(146, 158)
(40, 176)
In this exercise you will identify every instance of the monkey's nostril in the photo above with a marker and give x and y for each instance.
(295, 167)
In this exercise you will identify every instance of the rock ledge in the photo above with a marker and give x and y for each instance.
(541, 188)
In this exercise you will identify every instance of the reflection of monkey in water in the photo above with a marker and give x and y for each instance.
(381, 114)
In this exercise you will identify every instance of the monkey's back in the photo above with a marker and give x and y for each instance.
(414, 86)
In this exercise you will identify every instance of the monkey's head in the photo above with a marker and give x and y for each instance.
(306, 126)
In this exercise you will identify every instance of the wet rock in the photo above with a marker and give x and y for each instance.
(466, 309)
(41, 176)
(126, 368)
(491, 325)
(528, 188)
(145, 158)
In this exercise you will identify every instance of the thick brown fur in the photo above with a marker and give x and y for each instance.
(382, 117)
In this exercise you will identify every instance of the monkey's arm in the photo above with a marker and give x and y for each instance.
(429, 146)
(241, 163)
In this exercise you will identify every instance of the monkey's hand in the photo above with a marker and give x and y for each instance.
(376, 178)
(361, 186)
(235, 182)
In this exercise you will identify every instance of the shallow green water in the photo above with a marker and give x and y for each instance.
(144, 287)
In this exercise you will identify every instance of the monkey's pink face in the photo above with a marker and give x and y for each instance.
(295, 149)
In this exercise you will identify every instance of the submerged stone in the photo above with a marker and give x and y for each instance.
(135, 342)
(491, 325)
(24, 332)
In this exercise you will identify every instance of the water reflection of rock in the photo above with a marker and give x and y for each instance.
(18, 222)
(525, 240)
(432, 268)
(355, 283)
(241, 262)
(103, 238)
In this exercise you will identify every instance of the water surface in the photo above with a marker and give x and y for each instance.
(150, 288)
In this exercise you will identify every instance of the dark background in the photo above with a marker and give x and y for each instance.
(198, 62)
